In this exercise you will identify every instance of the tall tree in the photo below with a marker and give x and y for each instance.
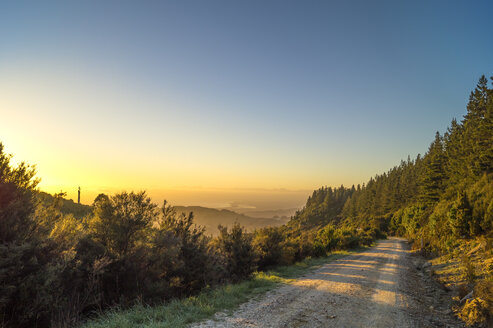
(432, 183)
(121, 220)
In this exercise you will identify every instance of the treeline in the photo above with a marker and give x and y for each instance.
(444, 196)
(436, 200)
(60, 263)
(441, 201)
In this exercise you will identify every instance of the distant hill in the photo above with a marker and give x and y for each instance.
(210, 218)
(68, 205)
(283, 213)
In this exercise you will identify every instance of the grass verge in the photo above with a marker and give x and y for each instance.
(181, 312)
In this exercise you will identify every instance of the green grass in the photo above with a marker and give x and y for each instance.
(181, 312)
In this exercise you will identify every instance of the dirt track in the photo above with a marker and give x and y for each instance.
(382, 287)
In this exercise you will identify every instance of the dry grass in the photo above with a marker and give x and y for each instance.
(469, 267)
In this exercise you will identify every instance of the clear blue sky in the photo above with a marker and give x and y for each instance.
(230, 95)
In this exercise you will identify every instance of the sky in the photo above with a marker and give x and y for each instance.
(244, 103)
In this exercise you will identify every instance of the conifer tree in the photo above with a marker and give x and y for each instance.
(433, 180)
(475, 136)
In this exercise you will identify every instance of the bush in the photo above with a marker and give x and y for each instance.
(236, 251)
(484, 291)
(468, 270)
(326, 239)
(17, 201)
(122, 221)
(475, 312)
(460, 217)
(346, 238)
(268, 244)
(194, 267)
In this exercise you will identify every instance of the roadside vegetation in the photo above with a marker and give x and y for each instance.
(57, 268)
(443, 202)
(60, 264)
(181, 312)
(468, 272)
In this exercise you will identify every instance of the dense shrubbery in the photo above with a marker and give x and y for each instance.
(331, 238)
(56, 267)
(235, 252)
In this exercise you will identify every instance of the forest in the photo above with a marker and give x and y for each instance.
(58, 267)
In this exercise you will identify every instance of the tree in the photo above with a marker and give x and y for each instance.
(101, 198)
(268, 244)
(236, 249)
(24, 252)
(17, 200)
(122, 220)
(193, 252)
(484, 145)
(477, 135)
(433, 179)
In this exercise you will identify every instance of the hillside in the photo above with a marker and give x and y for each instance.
(210, 218)
(67, 206)
(441, 201)
(282, 213)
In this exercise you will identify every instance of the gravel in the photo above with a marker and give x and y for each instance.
(380, 287)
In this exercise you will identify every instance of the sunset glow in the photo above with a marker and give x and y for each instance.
(140, 99)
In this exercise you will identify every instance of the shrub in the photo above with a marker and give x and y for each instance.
(468, 270)
(475, 312)
(236, 251)
(460, 216)
(484, 291)
(268, 244)
(122, 221)
(194, 265)
(326, 239)
(346, 238)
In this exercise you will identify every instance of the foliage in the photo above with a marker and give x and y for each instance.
(120, 222)
(65, 206)
(60, 261)
(193, 268)
(269, 244)
(468, 270)
(475, 312)
(236, 252)
(180, 313)
(448, 190)
(17, 203)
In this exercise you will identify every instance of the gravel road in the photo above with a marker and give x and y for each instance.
(384, 286)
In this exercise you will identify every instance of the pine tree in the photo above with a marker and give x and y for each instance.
(432, 184)
(476, 137)
(454, 149)
(484, 145)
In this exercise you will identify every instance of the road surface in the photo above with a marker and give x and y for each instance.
(383, 286)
